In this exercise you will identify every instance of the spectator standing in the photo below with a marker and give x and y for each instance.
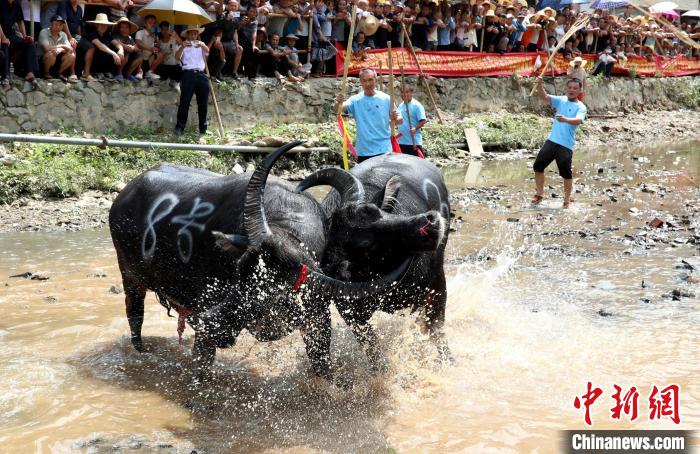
(4, 59)
(58, 55)
(559, 146)
(19, 42)
(411, 108)
(192, 55)
(247, 36)
(372, 111)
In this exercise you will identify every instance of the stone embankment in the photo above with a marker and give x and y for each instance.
(98, 107)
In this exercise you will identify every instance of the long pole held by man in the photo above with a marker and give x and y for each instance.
(559, 146)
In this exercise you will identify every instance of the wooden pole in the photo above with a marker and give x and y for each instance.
(381, 79)
(348, 57)
(408, 108)
(216, 104)
(574, 28)
(391, 92)
(311, 33)
(420, 71)
(344, 83)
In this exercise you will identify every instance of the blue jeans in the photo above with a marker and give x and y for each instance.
(193, 83)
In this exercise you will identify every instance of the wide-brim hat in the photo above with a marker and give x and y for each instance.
(123, 20)
(189, 28)
(578, 60)
(488, 5)
(100, 19)
(549, 11)
(490, 13)
(369, 25)
(291, 36)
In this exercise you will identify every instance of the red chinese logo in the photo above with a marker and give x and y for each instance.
(663, 403)
(666, 405)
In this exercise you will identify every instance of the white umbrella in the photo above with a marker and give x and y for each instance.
(692, 13)
(662, 7)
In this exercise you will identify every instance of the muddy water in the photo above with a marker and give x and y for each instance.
(541, 301)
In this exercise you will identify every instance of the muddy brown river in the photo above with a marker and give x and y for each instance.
(541, 302)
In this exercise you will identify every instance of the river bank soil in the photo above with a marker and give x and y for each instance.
(614, 131)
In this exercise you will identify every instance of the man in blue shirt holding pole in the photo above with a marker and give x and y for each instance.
(559, 146)
(372, 111)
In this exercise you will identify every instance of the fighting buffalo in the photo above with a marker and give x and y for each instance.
(230, 253)
(385, 211)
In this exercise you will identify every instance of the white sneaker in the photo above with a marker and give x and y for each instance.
(152, 76)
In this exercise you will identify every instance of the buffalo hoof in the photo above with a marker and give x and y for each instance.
(138, 344)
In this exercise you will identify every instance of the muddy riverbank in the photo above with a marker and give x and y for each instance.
(89, 209)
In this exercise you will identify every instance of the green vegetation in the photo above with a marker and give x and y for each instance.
(687, 93)
(64, 171)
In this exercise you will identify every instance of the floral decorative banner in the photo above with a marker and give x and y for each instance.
(472, 64)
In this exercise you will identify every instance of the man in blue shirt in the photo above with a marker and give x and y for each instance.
(411, 107)
(371, 110)
(570, 112)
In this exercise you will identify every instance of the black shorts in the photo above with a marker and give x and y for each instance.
(551, 151)
(408, 149)
(364, 158)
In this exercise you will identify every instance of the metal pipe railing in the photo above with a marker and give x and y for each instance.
(103, 142)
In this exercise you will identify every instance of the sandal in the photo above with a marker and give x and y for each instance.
(537, 199)
(63, 78)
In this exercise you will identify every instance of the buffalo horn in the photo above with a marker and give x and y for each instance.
(347, 184)
(359, 290)
(254, 219)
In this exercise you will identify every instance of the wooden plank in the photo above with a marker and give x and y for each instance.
(473, 142)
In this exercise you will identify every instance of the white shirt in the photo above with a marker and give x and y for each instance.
(193, 58)
(148, 39)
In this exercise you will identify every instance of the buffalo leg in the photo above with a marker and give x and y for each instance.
(367, 338)
(135, 294)
(316, 333)
(434, 316)
(203, 354)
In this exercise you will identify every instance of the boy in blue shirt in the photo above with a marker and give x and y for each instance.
(371, 111)
(418, 120)
(559, 146)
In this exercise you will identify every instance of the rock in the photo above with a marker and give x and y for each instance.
(656, 223)
(250, 168)
(98, 273)
(513, 220)
(601, 170)
(604, 313)
(51, 299)
(237, 169)
(116, 289)
(273, 141)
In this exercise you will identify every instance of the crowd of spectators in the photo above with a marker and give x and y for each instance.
(293, 39)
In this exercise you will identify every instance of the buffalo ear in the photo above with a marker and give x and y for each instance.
(391, 190)
(236, 244)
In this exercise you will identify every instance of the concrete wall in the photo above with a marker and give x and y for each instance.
(97, 107)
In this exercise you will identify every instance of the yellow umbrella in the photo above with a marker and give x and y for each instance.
(177, 12)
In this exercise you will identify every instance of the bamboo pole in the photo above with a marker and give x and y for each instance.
(686, 39)
(380, 78)
(408, 108)
(579, 24)
(216, 104)
(420, 71)
(311, 33)
(391, 92)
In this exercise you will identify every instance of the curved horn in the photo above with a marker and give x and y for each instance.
(254, 220)
(347, 184)
(361, 290)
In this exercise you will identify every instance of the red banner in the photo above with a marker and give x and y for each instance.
(472, 64)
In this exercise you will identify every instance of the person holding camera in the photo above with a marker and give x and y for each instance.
(192, 55)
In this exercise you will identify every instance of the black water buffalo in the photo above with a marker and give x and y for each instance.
(260, 274)
(384, 211)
